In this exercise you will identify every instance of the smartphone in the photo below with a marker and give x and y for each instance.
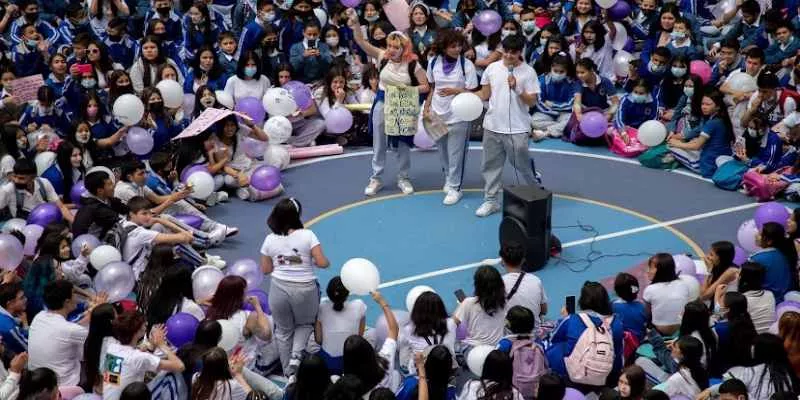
(570, 304)
(84, 68)
(312, 44)
(460, 296)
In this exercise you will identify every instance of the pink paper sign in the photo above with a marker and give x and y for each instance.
(25, 88)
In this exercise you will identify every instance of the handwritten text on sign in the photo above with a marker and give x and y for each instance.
(401, 110)
(25, 88)
(203, 121)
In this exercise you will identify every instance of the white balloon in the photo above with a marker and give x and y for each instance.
(621, 37)
(43, 161)
(104, 255)
(277, 156)
(476, 357)
(202, 184)
(621, 63)
(14, 224)
(171, 93)
(230, 335)
(204, 282)
(742, 82)
(278, 101)
(606, 3)
(224, 98)
(103, 169)
(652, 133)
(414, 293)
(128, 109)
(278, 128)
(322, 16)
(467, 106)
(360, 276)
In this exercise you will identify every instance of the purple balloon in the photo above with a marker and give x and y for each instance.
(139, 141)
(11, 252)
(192, 220)
(573, 394)
(266, 178)
(351, 3)
(248, 269)
(461, 331)
(487, 22)
(88, 239)
(684, 265)
(77, 191)
(32, 234)
(192, 169)
(44, 214)
(740, 255)
(338, 120)
(300, 92)
(181, 328)
(253, 108)
(619, 10)
(771, 212)
(629, 45)
(253, 147)
(594, 124)
(263, 299)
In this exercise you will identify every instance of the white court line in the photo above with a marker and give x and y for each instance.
(612, 235)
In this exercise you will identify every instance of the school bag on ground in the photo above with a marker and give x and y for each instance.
(592, 359)
(530, 364)
(758, 186)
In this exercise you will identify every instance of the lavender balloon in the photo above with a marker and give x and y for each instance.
(116, 279)
(249, 270)
(14, 224)
(594, 124)
(181, 328)
(351, 3)
(684, 265)
(740, 256)
(77, 191)
(487, 22)
(253, 147)
(192, 220)
(11, 252)
(338, 120)
(88, 239)
(771, 212)
(630, 47)
(32, 234)
(747, 236)
(191, 169)
(619, 10)
(266, 178)
(44, 214)
(263, 300)
(139, 141)
(300, 92)
(573, 394)
(252, 107)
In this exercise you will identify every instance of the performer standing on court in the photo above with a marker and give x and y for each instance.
(397, 66)
(449, 74)
(511, 87)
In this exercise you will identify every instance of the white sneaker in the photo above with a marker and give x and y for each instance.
(242, 193)
(373, 187)
(487, 208)
(405, 186)
(222, 197)
(215, 261)
(211, 200)
(538, 135)
(453, 196)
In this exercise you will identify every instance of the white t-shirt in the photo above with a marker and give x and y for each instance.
(125, 191)
(507, 113)
(458, 78)
(337, 326)
(193, 309)
(123, 365)
(55, 343)
(530, 293)
(391, 380)
(239, 320)
(138, 246)
(482, 328)
(6, 165)
(761, 307)
(681, 384)
(291, 255)
(239, 89)
(473, 390)
(411, 343)
(667, 300)
(692, 284)
(8, 195)
(225, 390)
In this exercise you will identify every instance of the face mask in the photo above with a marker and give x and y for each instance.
(208, 101)
(156, 106)
(92, 111)
(82, 138)
(88, 83)
(556, 77)
(638, 98)
(507, 32)
(20, 186)
(267, 16)
(688, 91)
(31, 43)
(332, 41)
(250, 71)
(678, 72)
(163, 10)
(371, 18)
(655, 68)
(677, 35)
(529, 26)
(543, 42)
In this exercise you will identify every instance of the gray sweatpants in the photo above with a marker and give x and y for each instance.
(306, 130)
(453, 153)
(380, 143)
(496, 148)
(260, 383)
(294, 311)
(213, 230)
(553, 126)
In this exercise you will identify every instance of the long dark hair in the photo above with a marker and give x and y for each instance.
(697, 95)
(725, 251)
(692, 351)
(335, 72)
(594, 297)
(285, 216)
(768, 350)
(205, 26)
(429, 316)
(207, 336)
(215, 71)
(751, 277)
(228, 298)
(64, 162)
(162, 260)
(99, 328)
(496, 377)
(722, 110)
(161, 58)
(773, 235)
(439, 367)
(359, 359)
(665, 268)
(637, 380)
(337, 293)
(313, 379)
(599, 33)
(175, 285)
(9, 141)
(489, 289)
(37, 381)
(696, 317)
(104, 64)
(215, 370)
(742, 330)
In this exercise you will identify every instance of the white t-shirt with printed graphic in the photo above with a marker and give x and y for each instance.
(123, 365)
(291, 255)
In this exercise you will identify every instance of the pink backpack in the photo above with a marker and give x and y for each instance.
(618, 146)
(592, 359)
(530, 364)
(758, 186)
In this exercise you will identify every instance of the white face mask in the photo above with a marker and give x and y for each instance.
(82, 138)
(332, 41)
(507, 32)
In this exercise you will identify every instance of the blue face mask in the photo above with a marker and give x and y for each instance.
(638, 98)
(677, 35)
(688, 91)
(88, 83)
(678, 72)
(557, 77)
(656, 69)
(31, 43)
(250, 71)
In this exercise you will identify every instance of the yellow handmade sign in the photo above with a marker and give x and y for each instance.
(401, 110)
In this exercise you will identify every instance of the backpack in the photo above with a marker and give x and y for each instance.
(618, 146)
(530, 364)
(460, 61)
(592, 359)
(118, 235)
(763, 189)
(729, 176)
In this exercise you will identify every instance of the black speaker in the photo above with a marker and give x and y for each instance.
(526, 219)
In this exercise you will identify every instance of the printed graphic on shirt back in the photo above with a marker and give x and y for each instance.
(292, 259)
(113, 369)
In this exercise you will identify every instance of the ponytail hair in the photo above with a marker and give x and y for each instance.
(337, 293)
(692, 351)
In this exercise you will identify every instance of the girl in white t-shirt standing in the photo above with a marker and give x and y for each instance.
(450, 74)
(338, 319)
(290, 254)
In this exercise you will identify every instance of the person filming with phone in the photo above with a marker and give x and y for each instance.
(310, 58)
